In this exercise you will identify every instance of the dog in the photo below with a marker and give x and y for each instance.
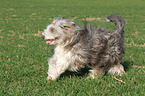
(90, 46)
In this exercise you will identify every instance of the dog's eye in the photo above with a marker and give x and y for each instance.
(52, 29)
(66, 26)
(63, 27)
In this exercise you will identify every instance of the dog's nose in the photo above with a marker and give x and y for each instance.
(42, 36)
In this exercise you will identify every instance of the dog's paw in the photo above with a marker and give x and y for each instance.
(117, 69)
(49, 78)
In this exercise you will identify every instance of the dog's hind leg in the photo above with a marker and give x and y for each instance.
(117, 68)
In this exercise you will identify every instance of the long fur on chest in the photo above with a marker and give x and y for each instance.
(75, 57)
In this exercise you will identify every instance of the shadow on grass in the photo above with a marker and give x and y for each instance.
(79, 73)
(127, 65)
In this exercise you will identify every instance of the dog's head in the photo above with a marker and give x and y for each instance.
(60, 31)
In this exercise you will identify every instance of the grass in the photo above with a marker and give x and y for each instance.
(23, 54)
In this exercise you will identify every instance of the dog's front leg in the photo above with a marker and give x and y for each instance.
(56, 67)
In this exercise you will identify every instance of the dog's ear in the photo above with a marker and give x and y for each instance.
(67, 25)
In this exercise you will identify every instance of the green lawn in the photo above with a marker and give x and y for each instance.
(23, 54)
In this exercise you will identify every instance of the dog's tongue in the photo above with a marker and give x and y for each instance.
(49, 41)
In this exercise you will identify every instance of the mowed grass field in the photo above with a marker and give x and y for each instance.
(23, 53)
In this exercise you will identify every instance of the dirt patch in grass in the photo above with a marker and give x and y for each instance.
(136, 45)
(92, 19)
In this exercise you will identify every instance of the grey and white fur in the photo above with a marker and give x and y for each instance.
(76, 47)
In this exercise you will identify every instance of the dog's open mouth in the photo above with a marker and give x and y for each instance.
(49, 41)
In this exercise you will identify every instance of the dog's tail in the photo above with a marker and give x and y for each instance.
(119, 23)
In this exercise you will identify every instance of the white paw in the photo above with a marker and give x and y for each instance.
(117, 69)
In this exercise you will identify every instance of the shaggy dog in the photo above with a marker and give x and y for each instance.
(77, 47)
